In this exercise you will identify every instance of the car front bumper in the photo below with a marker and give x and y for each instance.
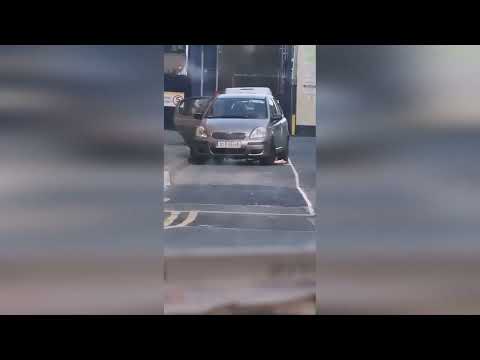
(249, 148)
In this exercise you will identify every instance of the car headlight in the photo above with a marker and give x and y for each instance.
(258, 133)
(201, 132)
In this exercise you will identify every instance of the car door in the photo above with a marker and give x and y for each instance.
(285, 132)
(277, 125)
(188, 116)
(273, 123)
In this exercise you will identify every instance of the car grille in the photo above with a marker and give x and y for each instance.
(228, 136)
(228, 151)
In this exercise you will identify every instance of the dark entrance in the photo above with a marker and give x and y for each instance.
(260, 66)
(216, 67)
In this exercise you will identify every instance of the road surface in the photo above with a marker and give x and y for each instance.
(240, 204)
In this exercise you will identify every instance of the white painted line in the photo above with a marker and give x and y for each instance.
(192, 215)
(243, 213)
(215, 227)
(166, 179)
(300, 190)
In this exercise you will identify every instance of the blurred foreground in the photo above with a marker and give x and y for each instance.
(80, 179)
(81, 159)
(398, 186)
(398, 190)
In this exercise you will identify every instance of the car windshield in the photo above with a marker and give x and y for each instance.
(238, 108)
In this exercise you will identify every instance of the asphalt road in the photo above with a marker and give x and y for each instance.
(238, 204)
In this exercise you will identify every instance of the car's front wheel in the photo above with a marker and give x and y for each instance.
(271, 157)
(285, 152)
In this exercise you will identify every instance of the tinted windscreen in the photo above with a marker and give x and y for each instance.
(238, 108)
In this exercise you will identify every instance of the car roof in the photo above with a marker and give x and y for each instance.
(249, 90)
(241, 96)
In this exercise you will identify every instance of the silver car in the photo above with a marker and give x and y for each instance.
(235, 125)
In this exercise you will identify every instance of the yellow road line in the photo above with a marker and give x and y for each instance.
(192, 216)
(171, 218)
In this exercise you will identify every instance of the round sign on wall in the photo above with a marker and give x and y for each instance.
(177, 99)
(172, 99)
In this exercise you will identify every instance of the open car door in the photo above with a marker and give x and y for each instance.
(188, 115)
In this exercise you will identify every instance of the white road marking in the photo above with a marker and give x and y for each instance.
(300, 190)
(216, 227)
(192, 216)
(244, 213)
(166, 179)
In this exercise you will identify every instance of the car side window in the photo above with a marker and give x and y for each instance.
(279, 109)
(273, 109)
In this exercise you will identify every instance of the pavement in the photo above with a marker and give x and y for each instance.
(174, 159)
(174, 156)
(256, 283)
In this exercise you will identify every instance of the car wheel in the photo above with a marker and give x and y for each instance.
(270, 159)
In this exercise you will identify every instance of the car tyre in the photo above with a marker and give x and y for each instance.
(270, 159)
(285, 153)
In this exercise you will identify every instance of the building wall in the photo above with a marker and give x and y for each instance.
(306, 90)
(260, 65)
(202, 66)
(174, 63)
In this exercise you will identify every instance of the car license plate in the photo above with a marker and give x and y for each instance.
(229, 144)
